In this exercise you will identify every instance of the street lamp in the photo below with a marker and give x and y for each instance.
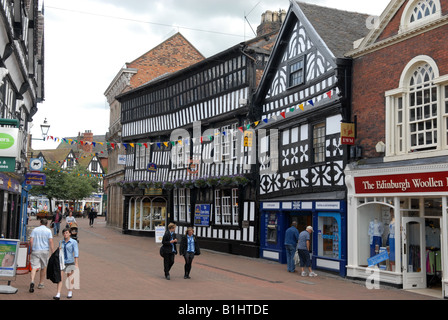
(44, 127)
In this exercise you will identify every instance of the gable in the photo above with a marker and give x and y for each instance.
(302, 37)
(172, 55)
(403, 19)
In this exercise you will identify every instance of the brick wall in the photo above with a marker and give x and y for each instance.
(174, 54)
(380, 71)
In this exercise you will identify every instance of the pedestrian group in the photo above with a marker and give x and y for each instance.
(300, 242)
(63, 260)
(189, 247)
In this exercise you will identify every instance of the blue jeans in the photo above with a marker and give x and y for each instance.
(56, 228)
(290, 251)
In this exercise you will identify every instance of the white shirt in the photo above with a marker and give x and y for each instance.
(41, 236)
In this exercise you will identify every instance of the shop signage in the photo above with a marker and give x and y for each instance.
(36, 164)
(9, 142)
(403, 183)
(35, 179)
(152, 167)
(202, 215)
(159, 232)
(7, 164)
(347, 133)
(383, 256)
(9, 250)
(121, 159)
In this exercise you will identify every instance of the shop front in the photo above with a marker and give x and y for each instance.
(145, 212)
(328, 219)
(397, 225)
(10, 189)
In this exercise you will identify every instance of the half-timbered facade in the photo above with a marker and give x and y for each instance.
(173, 54)
(186, 160)
(21, 89)
(301, 101)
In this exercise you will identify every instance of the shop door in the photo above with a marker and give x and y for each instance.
(414, 266)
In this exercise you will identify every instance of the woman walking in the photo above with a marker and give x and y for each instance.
(189, 247)
(169, 249)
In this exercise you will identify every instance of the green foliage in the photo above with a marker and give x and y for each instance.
(70, 185)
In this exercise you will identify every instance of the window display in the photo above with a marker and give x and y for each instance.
(329, 235)
(377, 232)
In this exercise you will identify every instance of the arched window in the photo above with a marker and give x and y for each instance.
(423, 9)
(417, 111)
(419, 12)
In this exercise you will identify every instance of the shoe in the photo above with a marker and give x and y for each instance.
(31, 287)
(56, 297)
(312, 274)
(40, 286)
(303, 274)
(167, 277)
(70, 295)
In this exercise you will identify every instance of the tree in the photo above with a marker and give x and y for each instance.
(74, 185)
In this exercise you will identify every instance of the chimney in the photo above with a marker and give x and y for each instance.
(271, 21)
(88, 139)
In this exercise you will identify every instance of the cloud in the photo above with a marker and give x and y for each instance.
(88, 41)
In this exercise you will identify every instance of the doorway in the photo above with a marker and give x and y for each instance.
(421, 255)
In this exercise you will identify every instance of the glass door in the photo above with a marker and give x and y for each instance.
(414, 257)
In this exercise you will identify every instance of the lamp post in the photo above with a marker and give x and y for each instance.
(44, 127)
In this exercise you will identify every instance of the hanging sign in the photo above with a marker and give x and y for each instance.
(35, 179)
(347, 133)
(151, 167)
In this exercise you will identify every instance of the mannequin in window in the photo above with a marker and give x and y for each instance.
(376, 229)
(391, 240)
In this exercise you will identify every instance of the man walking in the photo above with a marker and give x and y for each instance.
(304, 251)
(291, 238)
(41, 242)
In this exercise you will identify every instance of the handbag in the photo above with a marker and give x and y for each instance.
(52, 225)
(161, 252)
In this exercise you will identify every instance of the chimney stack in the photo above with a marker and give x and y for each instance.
(271, 21)
(88, 139)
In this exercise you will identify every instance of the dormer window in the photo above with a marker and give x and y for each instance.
(419, 12)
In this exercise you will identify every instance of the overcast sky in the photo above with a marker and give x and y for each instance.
(87, 42)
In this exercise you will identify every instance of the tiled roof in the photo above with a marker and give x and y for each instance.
(337, 28)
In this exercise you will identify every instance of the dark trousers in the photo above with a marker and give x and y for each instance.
(168, 261)
(189, 256)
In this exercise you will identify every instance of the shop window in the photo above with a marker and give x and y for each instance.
(272, 228)
(147, 213)
(330, 234)
(376, 233)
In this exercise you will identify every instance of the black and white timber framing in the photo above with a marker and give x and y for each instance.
(302, 99)
(215, 95)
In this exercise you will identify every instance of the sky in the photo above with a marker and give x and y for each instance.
(87, 42)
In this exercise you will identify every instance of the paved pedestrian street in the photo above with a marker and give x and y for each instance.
(114, 266)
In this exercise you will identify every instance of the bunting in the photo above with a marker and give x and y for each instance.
(202, 139)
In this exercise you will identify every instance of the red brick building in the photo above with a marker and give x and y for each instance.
(397, 185)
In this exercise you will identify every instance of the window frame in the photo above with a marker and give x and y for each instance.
(290, 73)
(398, 145)
(319, 142)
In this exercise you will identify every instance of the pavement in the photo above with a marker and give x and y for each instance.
(114, 266)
